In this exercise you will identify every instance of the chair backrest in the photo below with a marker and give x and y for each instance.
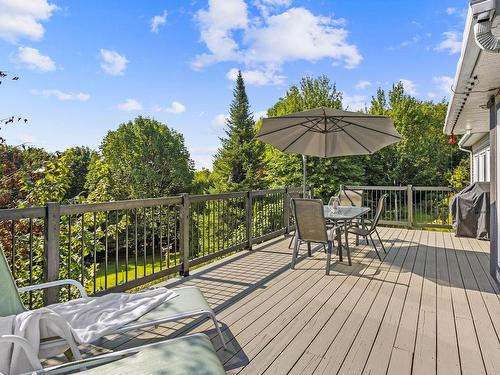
(379, 211)
(310, 220)
(351, 198)
(10, 301)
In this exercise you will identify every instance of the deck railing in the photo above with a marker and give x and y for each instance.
(116, 246)
(411, 206)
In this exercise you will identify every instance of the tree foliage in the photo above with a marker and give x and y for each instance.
(145, 159)
(423, 156)
(238, 162)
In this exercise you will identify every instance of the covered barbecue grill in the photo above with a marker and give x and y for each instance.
(470, 211)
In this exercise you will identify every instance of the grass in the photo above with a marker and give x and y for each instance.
(115, 277)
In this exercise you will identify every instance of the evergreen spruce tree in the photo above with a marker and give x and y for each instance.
(238, 162)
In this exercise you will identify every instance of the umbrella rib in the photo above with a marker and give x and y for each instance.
(375, 130)
(300, 136)
(358, 142)
(303, 123)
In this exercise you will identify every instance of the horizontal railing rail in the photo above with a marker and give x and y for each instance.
(116, 246)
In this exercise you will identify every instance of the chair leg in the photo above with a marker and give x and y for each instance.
(348, 250)
(328, 257)
(375, 247)
(291, 241)
(381, 243)
(295, 252)
(219, 332)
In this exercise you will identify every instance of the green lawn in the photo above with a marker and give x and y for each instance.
(124, 271)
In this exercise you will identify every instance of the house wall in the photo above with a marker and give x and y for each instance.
(494, 105)
(480, 171)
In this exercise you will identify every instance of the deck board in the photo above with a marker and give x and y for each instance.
(430, 306)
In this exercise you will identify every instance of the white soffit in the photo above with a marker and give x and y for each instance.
(479, 72)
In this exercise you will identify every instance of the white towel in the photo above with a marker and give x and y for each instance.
(83, 320)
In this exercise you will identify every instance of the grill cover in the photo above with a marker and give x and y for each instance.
(470, 210)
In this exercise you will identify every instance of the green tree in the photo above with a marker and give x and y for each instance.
(325, 175)
(144, 158)
(423, 156)
(202, 182)
(79, 166)
(238, 162)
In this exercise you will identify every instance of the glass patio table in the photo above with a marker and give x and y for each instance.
(343, 215)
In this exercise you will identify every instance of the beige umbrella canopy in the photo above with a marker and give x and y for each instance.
(327, 132)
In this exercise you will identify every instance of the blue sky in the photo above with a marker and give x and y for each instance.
(87, 66)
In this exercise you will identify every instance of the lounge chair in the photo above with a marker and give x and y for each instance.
(188, 355)
(189, 303)
(311, 228)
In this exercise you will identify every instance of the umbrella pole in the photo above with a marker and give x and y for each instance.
(304, 175)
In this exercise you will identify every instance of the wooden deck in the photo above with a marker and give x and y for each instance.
(429, 307)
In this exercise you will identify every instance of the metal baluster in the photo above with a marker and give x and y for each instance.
(153, 223)
(106, 251)
(31, 262)
(161, 237)
(82, 254)
(95, 251)
(144, 245)
(136, 245)
(13, 243)
(69, 256)
(126, 244)
(116, 248)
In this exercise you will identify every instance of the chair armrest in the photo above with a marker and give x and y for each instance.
(26, 346)
(51, 284)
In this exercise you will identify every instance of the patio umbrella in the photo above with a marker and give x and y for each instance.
(327, 132)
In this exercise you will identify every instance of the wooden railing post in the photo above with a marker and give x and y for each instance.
(410, 205)
(249, 218)
(51, 251)
(184, 234)
(286, 211)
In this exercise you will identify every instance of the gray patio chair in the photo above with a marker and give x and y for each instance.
(189, 303)
(368, 231)
(353, 198)
(311, 228)
(188, 355)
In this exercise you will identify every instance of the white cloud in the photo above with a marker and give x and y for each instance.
(444, 84)
(431, 95)
(297, 34)
(219, 121)
(354, 102)
(409, 86)
(363, 84)
(257, 77)
(216, 29)
(21, 18)
(450, 11)
(158, 21)
(260, 114)
(176, 107)
(113, 63)
(130, 105)
(35, 60)
(265, 43)
(63, 96)
(452, 42)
